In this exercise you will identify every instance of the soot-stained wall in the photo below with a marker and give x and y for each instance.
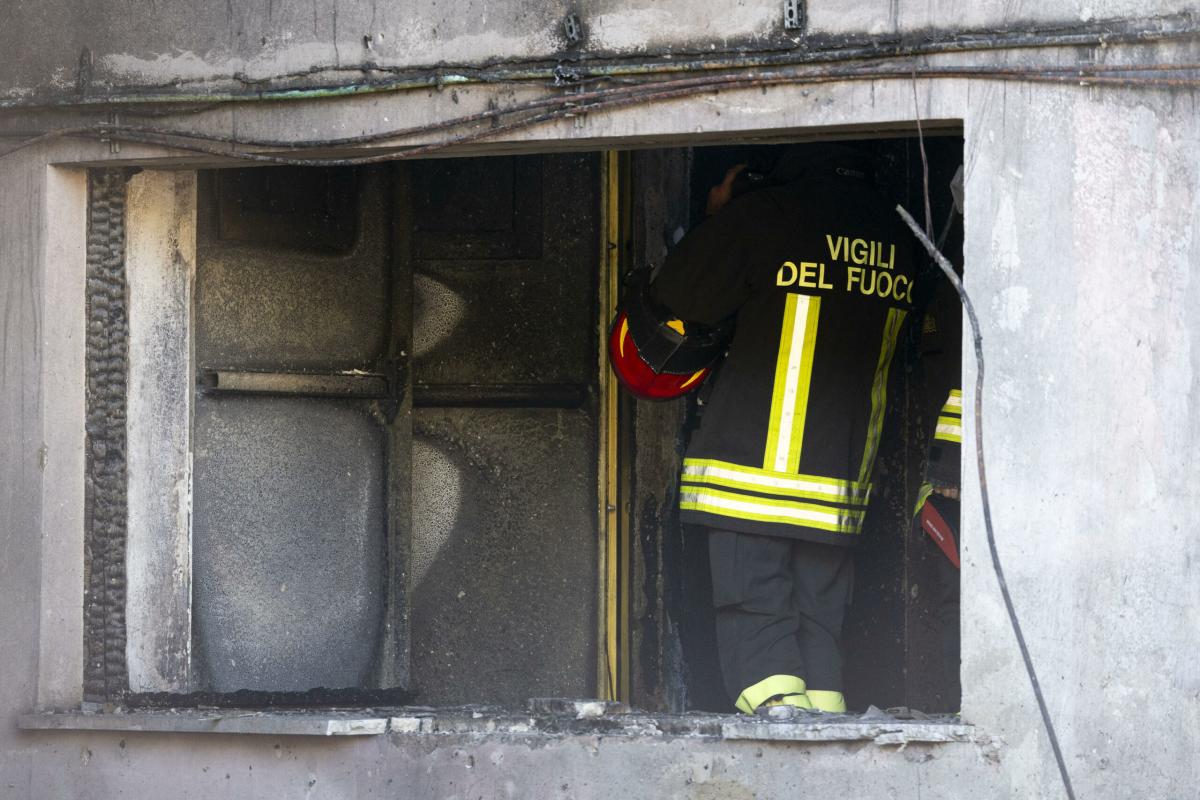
(504, 254)
(79, 52)
(1080, 243)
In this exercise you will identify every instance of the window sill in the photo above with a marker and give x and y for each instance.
(558, 718)
(224, 720)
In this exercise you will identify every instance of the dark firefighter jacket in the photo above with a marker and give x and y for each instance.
(819, 273)
(941, 358)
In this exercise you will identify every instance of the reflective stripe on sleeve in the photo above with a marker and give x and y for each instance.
(793, 375)
(922, 495)
(949, 422)
(948, 430)
(891, 331)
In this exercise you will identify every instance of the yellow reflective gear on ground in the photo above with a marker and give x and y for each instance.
(794, 700)
(777, 685)
(829, 702)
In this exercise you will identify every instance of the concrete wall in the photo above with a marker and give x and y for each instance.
(76, 49)
(1082, 229)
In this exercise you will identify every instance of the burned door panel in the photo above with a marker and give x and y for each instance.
(273, 290)
(297, 389)
(304, 457)
(504, 583)
(503, 586)
(289, 541)
(477, 209)
(510, 323)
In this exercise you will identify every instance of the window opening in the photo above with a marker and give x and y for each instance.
(395, 441)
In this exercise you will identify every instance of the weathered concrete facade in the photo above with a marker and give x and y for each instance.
(1082, 239)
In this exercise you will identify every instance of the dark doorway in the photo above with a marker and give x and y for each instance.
(901, 649)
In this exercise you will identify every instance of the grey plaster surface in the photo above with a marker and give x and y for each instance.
(241, 45)
(160, 269)
(1082, 238)
(287, 534)
(462, 766)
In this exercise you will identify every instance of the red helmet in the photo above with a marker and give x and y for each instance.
(637, 376)
(657, 356)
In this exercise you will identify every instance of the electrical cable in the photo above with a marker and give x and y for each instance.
(985, 502)
(567, 105)
(1069, 73)
(806, 50)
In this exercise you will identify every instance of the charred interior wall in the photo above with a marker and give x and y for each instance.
(395, 429)
(107, 374)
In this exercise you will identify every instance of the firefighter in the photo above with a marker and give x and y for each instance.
(804, 284)
(936, 516)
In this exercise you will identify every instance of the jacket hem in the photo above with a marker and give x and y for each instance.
(800, 532)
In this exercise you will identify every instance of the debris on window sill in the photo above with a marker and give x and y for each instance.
(543, 718)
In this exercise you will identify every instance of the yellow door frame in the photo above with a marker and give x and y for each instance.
(614, 557)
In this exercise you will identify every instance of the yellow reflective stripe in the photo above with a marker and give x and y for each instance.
(949, 429)
(782, 479)
(948, 433)
(692, 379)
(922, 495)
(891, 331)
(793, 373)
(953, 404)
(708, 478)
(771, 452)
(803, 385)
(721, 473)
(797, 700)
(761, 509)
(754, 696)
(829, 702)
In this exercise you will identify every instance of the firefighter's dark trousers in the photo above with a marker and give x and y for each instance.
(779, 610)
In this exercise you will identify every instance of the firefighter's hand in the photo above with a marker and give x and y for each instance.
(722, 193)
